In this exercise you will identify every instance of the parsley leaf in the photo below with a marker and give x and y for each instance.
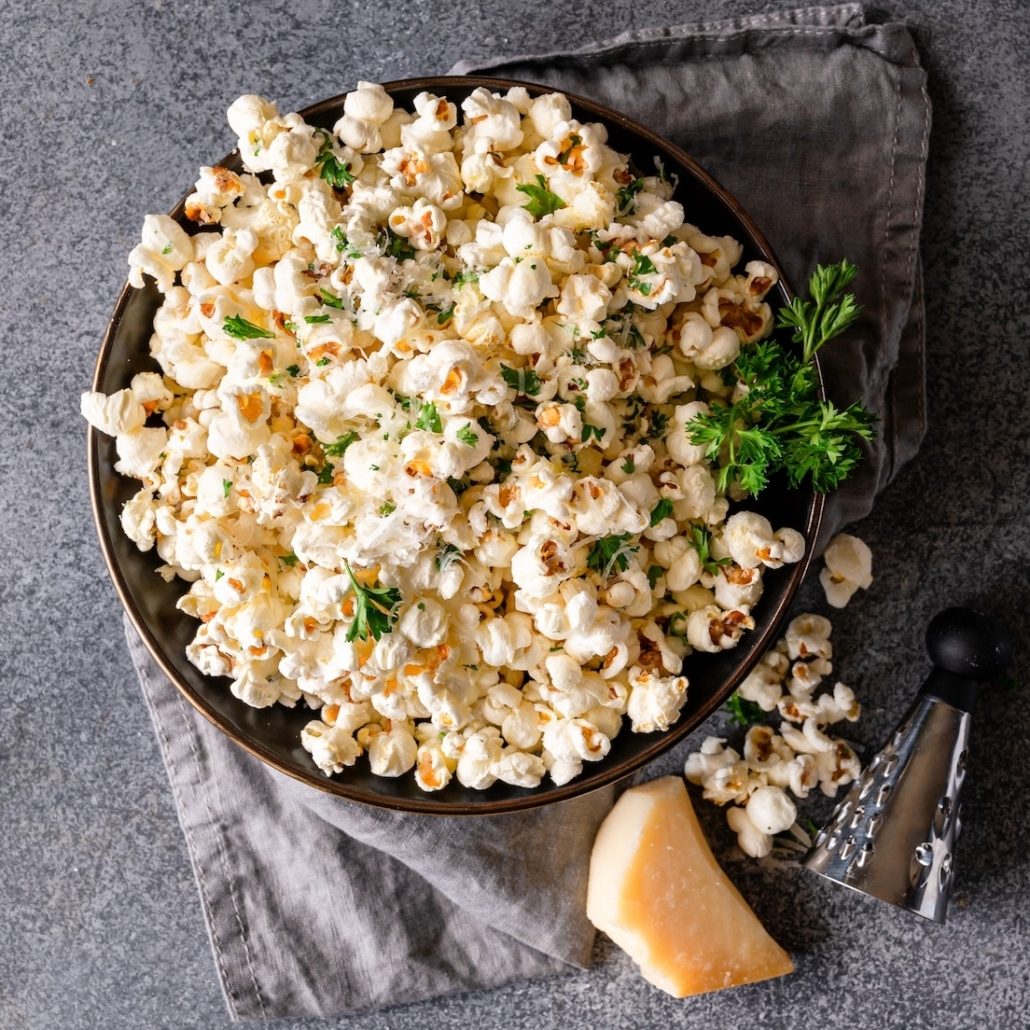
(445, 316)
(294, 370)
(654, 573)
(335, 172)
(387, 508)
(466, 276)
(662, 510)
(288, 559)
(626, 197)
(240, 329)
(226, 487)
(325, 473)
(778, 422)
(329, 299)
(700, 539)
(521, 380)
(467, 435)
(642, 265)
(338, 447)
(743, 712)
(395, 246)
(609, 553)
(316, 319)
(429, 418)
(449, 554)
(590, 431)
(541, 200)
(375, 609)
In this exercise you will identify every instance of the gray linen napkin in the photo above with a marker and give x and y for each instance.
(316, 906)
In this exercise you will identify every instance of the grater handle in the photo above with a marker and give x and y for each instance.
(966, 648)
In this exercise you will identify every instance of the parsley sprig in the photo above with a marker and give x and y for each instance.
(742, 711)
(610, 553)
(521, 380)
(335, 172)
(541, 200)
(701, 540)
(375, 608)
(239, 328)
(778, 422)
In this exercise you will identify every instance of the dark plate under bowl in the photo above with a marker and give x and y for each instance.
(273, 734)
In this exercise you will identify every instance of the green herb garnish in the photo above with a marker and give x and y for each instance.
(429, 418)
(293, 370)
(778, 422)
(387, 508)
(662, 510)
(329, 299)
(610, 552)
(335, 172)
(325, 473)
(626, 197)
(226, 487)
(541, 200)
(339, 447)
(396, 246)
(743, 712)
(445, 316)
(288, 559)
(642, 265)
(240, 329)
(375, 609)
(590, 431)
(468, 436)
(700, 539)
(521, 380)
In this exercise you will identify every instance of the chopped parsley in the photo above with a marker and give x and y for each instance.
(743, 712)
(521, 380)
(239, 328)
(325, 473)
(322, 362)
(288, 559)
(466, 276)
(166, 249)
(662, 510)
(654, 573)
(388, 508)
(226, 487)
(429, 418)
(395, 246)
(329, 299)
(700, 539)
(338, 447)
(218, 574)
(335, 172)
(590, 431)
(375, 609)
(610, 553)
(293, 370)
(448, 555)
(541, 200)
(629, 466)
(642, 265)
(626, 197)
(316, 319)
(445, 316)
(467, 435)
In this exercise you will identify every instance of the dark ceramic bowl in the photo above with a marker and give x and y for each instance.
(273, 734)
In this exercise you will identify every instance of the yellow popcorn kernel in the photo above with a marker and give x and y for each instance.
(250, 405)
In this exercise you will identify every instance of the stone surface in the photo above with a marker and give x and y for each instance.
(107, 110)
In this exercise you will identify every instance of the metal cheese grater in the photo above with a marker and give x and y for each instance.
(894, 835)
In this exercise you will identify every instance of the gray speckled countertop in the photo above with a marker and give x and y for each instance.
(106, 109)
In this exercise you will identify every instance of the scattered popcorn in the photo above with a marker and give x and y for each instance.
(791, 759)
(416, 439)
(849, 567)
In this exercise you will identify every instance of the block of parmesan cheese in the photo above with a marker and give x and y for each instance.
(657, 891)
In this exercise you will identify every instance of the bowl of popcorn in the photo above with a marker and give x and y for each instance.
(394, 452)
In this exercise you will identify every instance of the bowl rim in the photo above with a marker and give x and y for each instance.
(589, 781)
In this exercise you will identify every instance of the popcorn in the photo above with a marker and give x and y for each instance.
(417, 443)
(798, 757)
(849, 567)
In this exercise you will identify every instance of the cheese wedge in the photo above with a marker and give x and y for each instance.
(657, 891)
